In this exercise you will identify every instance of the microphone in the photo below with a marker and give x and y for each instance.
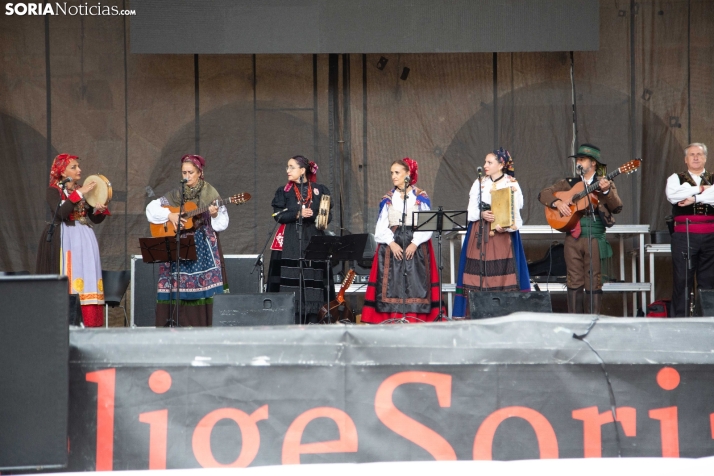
(579, 168)
(407, 180)
(280, 212)
(183, 180)
(65, 180)
(479, 171)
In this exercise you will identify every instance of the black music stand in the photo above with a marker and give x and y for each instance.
(440, 221)
(162, 250)
(335, 248)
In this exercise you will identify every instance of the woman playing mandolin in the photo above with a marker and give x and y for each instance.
(201, 279)
(585, 283)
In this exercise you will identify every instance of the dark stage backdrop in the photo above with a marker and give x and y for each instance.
(71, 84)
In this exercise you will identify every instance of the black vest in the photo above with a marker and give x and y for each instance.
(695, 208)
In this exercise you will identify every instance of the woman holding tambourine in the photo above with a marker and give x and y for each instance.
(68, 245)
(296, 204)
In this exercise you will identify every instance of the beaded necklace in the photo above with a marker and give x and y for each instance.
(308, 200)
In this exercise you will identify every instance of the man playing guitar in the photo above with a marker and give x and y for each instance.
(577, 251)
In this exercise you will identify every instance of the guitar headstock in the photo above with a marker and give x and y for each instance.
(630, 166)
(346, 283)
(349, 279)
(239, 198)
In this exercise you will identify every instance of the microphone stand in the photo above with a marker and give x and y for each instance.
(404, 251)
(177, 308)
(51, 230)
(480, 235)
(259, 260)
(591, 209)
(301, 276)
(687, 298)
(439, 230)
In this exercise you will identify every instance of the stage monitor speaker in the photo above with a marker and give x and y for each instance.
(496, 304)
(238, 269)
(144, 279)
(34, 375)
(705, 303)
(254, 309)
(145, 276)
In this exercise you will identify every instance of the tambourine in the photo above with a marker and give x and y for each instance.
(323, 215)
(101, 194)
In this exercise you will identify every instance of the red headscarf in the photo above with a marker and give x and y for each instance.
(59, 165)
(196, 160)
(413, 170)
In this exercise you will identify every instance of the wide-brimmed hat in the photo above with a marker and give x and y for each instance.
(591, 152)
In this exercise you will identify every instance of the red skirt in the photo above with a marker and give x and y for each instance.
(386, 298)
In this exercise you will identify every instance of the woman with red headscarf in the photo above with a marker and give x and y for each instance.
(200, 280)
(68, 245)
(402, 255)
(300, 197)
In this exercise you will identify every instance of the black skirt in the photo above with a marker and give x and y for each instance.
(318, 288)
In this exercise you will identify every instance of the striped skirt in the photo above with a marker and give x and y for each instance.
(492, 268)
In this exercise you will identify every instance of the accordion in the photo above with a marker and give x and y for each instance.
(503, 207)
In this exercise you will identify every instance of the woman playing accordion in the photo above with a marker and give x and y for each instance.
(494, 259)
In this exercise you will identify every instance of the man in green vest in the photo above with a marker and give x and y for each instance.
(584, 278)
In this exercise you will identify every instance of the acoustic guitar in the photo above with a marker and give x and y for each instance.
(338, 310)
(190, 210)
(577, 197)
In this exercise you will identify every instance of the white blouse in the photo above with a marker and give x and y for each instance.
(392, 216)
(676, 192)
(486, 186)
(158, 214)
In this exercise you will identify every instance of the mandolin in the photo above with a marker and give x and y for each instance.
(578, 200)
(338, 311)
(190, 210)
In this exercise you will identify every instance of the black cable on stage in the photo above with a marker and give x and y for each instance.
(613, 403)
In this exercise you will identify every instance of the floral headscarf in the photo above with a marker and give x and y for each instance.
(59, 165)
(505, 158)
